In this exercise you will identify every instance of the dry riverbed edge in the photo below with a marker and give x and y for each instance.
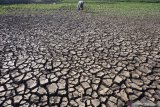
(77, 59)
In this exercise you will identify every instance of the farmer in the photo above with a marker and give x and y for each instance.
(80, 5)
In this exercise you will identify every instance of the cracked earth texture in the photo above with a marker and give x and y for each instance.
(76, 59)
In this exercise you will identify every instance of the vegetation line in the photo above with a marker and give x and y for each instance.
(92, 6)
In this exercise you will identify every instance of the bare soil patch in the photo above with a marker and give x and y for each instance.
(78, 59)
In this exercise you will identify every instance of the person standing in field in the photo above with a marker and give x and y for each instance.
(80, 5)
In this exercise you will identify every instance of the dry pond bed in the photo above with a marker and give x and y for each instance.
(79, 59)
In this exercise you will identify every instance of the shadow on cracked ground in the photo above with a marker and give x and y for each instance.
(77, 59)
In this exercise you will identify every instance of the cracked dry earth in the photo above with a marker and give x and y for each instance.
(76, 59)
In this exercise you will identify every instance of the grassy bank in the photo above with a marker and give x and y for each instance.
(114, 8)
(147, 1)
(125, 8)
(33, 8)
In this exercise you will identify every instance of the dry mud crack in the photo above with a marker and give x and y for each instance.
(75, 59)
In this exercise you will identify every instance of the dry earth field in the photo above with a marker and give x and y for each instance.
(79, 60)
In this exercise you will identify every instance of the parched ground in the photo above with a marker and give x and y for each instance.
(79, 60)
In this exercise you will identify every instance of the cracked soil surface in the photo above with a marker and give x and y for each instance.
(76, 59)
